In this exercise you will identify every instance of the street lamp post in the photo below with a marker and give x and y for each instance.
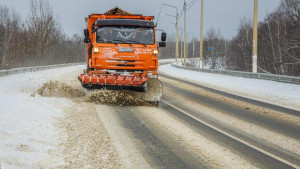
(201, 36)
(177, 37)
(181, 46)
(181, 41)
(185, 38)
(177, 32)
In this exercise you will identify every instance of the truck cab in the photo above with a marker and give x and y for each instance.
(121, 45)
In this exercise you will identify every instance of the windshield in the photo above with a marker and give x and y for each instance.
(125, 34)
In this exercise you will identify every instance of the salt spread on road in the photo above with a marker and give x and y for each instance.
(53, 132)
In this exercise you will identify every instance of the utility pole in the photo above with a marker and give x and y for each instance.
(254, 47)
(185, 47)
(177, 37)
(201, 36)
(181, 46)
(193, 47)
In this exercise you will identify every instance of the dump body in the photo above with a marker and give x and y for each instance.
(121, 51)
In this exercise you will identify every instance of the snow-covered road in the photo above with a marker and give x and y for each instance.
(52, 132)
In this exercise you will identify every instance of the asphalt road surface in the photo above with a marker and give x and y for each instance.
(193, 127)
(198, 127)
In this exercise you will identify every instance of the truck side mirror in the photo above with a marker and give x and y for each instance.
(162, 44)
(86, 36)
(163, 36)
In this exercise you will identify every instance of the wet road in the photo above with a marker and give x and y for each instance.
(198, 127)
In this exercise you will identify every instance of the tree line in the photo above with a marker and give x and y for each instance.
(39, 40)
(278, 44)
(36, 41)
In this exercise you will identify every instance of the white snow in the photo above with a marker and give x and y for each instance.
(165, 61)
(179, 63)
(29, 136)
(207, 63)
(283, 94)
(28, 132)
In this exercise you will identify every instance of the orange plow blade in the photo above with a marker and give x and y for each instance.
(113, 82)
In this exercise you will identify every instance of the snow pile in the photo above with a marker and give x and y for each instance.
(27, 131)
(283, 94)
(111, 97)
(58, 89)
(29, 137)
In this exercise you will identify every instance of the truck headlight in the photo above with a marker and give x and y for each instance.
(155, 52)
(96, 50)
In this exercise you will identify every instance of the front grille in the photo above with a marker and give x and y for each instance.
(119, 65)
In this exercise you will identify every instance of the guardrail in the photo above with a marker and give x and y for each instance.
(35, 68)
(6, 72)
(264, 76)
(165, 61)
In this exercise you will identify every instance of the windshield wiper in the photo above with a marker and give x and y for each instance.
(122, 41)
(126, 41)
(136, 42)
(109, 41)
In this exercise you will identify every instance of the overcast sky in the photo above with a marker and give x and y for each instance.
(220, 14)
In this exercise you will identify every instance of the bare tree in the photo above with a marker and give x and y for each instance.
(214, 49)
(9, 27)
(37, 41)
(43, 29)
(278, 42)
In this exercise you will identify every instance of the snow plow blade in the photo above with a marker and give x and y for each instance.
(113, 82)
(145, 88)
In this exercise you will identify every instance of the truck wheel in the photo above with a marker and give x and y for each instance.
(87, 69)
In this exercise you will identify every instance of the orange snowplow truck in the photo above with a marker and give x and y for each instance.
(122, 51)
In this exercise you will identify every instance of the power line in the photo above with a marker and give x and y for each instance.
(192, 2)
(189, 3)
(162, 5)
(181, 13)
(190, 6)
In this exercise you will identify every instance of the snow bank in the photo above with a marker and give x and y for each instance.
(283, 94)
(209, 63)
(165, 61)
(29, 136)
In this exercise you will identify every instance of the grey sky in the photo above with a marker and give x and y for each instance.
(220, 14)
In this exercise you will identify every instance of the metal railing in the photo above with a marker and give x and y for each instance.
(165, 61)
(264, 76)
(7, 72)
